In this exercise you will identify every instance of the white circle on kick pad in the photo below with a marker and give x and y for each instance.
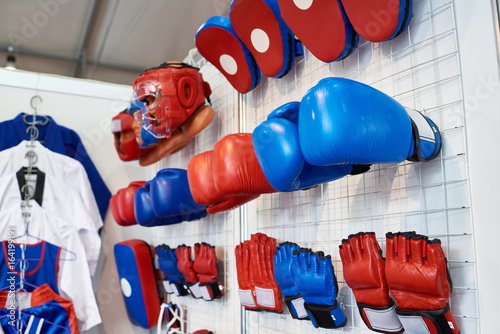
(260, 40)
(228, 64)
(303, 4)
(126, 288)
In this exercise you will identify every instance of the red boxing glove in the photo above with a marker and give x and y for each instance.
(419, 281)
(122, 204)
(245, 276)
(228, 176)
(185, 266)
(237, 171)
(262, 250)
(205, 265)
(364, 273)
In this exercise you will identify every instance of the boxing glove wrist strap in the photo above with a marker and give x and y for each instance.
(247, 299)
(267, 298)
(326, 316)
(211, 290)
(428, 321)
(195, 290)
(296, 307)
(179, 289)
(382, 319)
(167, 286)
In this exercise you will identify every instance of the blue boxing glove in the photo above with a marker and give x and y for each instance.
(167, 261)
(143, 206)
(344, 122)
(276, 144)
(317, 284)
(171, 196)
(285, 270)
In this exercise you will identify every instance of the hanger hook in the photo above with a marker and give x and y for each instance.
(32, 102)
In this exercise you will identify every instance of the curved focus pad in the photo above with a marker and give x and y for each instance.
(219, 44)
(134, 261)
(322, 26)
(342, 121)
(122, 204)
(418, 278)
(276, 144)
(171, 196)
(378, 20)
(259, 25)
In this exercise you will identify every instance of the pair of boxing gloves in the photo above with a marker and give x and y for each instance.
(309, 285)
(305, 278)
(185, 276)
(340, 127)
(414, 271)
(164, 200)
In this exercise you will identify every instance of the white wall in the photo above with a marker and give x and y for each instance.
(87, 107)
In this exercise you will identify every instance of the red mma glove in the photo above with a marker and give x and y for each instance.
(185, 266)
(205, 265)
(262, 250)
(364, 273)
(245, 276)
(419, 281)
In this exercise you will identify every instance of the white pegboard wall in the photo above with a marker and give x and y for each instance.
(421, 70)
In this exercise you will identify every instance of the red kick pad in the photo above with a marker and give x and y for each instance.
(260, 27)
(217, 42)
(322, 26)
(378, 20)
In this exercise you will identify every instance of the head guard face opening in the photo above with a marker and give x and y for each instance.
(171, 93)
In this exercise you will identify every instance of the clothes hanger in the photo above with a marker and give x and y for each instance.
(26, 234)
(29, 326)
(45, 120)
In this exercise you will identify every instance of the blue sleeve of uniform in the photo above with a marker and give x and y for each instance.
(75, 149)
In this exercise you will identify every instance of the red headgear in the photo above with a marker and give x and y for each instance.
(126, 145)
(172, 93)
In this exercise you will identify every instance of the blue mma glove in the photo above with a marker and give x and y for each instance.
(344, 122)
(171, 196)
(218, 43)
(284, 273)
(276, 144)
(317, 284)
(259, 26)
(167, 261)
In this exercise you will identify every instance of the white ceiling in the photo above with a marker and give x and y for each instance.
(118, 39)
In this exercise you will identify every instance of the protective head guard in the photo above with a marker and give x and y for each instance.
(125, 142)
(172, 92)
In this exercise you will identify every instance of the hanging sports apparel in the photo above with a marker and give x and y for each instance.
(41, 265)
(45, 312)
(61, 140)
(75, 283)
(69, 171)
(58, 200)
